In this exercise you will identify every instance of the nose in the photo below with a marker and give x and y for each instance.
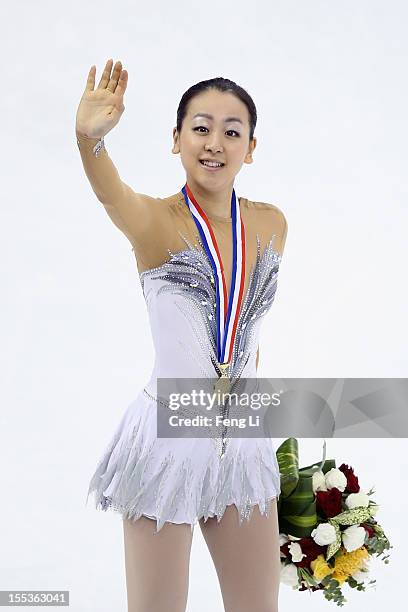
(213, 144)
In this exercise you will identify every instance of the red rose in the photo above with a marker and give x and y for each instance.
(328, 503)
(352, 480)
(309, 548)
(368, 529)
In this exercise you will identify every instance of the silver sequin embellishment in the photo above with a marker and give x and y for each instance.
(189, 272)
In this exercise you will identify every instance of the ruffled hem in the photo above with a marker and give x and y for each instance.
(181, 480)
(264, 506)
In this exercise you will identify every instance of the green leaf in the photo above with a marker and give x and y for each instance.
(297, 502)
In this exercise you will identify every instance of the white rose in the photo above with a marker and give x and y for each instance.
(289, 575)
(353, 537)
(283, 539)
(324, 534)
(318, 481)
(335, 478)
(291, 537)
(296, 552)
(357, 499)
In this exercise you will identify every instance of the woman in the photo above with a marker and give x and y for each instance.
(201, 253)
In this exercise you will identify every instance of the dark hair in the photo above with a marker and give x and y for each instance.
(220, 84)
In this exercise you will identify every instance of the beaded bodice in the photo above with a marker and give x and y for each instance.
(181, 301)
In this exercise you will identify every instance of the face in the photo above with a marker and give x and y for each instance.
(215, 127)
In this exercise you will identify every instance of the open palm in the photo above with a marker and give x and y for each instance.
(100, 109)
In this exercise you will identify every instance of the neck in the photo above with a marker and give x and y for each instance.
(213, 203)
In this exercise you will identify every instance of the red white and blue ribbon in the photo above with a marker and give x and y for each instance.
(226, 324)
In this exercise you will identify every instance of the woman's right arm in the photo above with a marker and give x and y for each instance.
(129, 211)
(99, 111)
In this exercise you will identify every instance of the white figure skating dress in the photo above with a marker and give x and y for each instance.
(181, 480)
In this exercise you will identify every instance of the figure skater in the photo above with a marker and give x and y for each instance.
(208, 263)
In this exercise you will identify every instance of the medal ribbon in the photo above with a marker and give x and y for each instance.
(226, 324)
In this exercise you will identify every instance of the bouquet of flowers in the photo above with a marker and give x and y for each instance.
(326, 526)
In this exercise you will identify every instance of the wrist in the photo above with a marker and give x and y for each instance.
(97, 144)
(85, 137)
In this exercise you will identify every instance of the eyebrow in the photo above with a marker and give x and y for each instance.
(227, 120)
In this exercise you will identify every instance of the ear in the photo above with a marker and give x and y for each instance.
(176, 146)
(251, 147)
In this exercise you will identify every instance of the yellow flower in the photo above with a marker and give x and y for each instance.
(320, 568)
(339, 576)
(348, 563)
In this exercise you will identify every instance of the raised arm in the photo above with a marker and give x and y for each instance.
(98, 112)
(100, 169)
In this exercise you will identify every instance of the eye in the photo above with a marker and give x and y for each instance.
(201, 127)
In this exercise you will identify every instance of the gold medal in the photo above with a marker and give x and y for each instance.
(223, 384)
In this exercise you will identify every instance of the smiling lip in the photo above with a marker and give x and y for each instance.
(211, 168)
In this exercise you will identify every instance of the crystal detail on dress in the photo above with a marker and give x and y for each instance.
(261, 291)
(189, 272)
(99, 146)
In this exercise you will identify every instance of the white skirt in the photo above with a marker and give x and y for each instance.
(181, 480)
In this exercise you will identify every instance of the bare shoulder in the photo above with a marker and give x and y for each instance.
(273, 211)
(276, 221)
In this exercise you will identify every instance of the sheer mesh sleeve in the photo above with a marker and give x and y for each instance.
(137, 215)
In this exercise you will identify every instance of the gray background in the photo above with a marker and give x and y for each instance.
(328, 79)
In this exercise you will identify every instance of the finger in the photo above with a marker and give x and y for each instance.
(90, 82)
(121, 88)
(105, 74)
(115, 76)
